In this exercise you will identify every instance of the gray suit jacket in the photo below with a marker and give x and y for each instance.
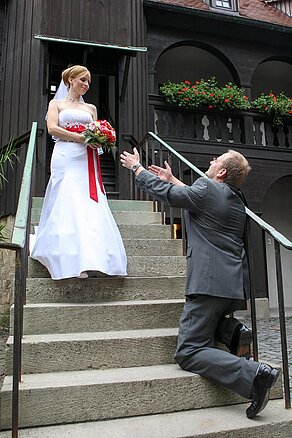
(215, 222)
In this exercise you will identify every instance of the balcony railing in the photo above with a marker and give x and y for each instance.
(209, 125)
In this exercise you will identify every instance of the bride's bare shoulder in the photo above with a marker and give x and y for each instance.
(91, 106)
(53, 104)
(92, 109)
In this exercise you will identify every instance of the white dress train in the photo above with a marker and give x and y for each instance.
(76, 233)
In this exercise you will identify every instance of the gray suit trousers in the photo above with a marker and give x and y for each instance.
(202, 323)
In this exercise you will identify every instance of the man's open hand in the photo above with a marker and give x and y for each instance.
(165, 174)
(128, 160)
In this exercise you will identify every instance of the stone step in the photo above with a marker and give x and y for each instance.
(152, 231)
(114, 204)
(145, 266)
(78, 396)
(121, 217)
(92, 290)
(224, 421)
(94, 351)
(112, 195)
(153, 247)
(82, 318)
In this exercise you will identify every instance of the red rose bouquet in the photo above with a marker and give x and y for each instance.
(100, 133)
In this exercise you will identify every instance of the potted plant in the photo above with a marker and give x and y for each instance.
(279, 107)
(230, 96)
(7, 155)
(205, 92)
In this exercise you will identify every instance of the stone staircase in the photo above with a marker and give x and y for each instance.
(98, 353)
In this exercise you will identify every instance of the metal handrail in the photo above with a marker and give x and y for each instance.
(19, 244)
(279, 240)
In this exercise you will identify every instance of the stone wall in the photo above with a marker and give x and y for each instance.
(7, 267)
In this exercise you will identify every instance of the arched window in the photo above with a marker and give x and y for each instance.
(275, 75)
(186, 62)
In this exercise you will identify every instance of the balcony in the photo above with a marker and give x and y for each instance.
(208, 126)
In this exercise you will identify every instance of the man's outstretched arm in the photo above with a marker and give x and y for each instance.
(165, 174)
(175, 195)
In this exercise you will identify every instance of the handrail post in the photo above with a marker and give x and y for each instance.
(17, 333)
(282, 324)
(162, 206)
(147, 161)
(19, 244)
(250, 258)
(153, 157)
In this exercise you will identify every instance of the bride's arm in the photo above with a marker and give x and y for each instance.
(56, 130)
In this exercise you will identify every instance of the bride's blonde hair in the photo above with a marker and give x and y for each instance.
(74, 72)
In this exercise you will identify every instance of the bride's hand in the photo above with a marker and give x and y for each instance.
(79, 138)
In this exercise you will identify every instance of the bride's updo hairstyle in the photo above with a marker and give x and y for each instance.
(73, 72)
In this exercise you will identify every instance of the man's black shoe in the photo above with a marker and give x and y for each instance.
(265, 378)
(241, 340)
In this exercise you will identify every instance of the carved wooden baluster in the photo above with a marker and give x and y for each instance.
(258, 133)
(189, 125)
(224, 129)
(199, 127)
(288, 135)
(169, 117)
(180, 125)
(218, 134)
(157, 122)
(205, 123)
(212, 127)
(236, 130)
(281, 136)
(163, 123)
(270, 136)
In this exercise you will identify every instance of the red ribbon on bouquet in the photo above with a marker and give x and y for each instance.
(91, 170)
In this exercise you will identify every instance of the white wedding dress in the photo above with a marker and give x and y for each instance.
(76, 233)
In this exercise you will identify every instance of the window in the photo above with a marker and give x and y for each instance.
(224, 5)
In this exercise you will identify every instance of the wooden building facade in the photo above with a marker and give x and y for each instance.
(131, 47)
(43, 38)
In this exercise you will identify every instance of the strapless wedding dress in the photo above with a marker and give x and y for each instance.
(76, 233)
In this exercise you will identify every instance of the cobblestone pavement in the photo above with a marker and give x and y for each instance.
(269, 342)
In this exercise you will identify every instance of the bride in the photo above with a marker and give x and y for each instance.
(77, 232)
